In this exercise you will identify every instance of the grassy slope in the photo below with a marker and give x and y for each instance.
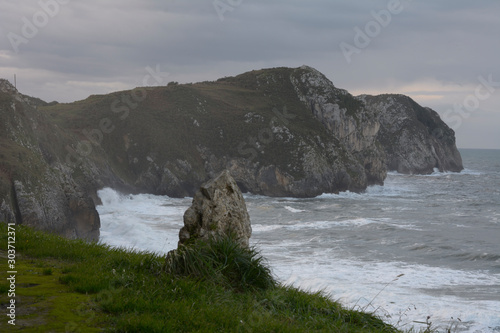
(73, 286)
(163, 128)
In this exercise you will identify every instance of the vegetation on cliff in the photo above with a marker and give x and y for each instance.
(73, 286)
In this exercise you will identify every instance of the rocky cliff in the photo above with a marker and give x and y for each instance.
(36, 187)
(279, 132)
(346, 117)
(414, 138)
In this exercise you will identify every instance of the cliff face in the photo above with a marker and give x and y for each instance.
(36, 188)
(279, 132)
(346, 118)
(415, 138)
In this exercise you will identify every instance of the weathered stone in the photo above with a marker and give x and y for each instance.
(218, 208)
(37, 188)
(84, 218)
(415, 138)
(349, 120)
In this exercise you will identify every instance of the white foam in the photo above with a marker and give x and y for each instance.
(317, 225)
(265, 228)
(390, 189)
(466, 171)
(375, 286)
(341, 195)
(436, 172)
(294, 210)
(133, 221)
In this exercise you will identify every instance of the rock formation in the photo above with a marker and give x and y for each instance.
(415, 138)
(37, 188)
(218, 209)
(346, 117)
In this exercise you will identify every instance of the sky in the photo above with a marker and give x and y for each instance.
(444, 54)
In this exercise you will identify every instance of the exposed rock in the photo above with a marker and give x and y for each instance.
(218, 208)
(49, 207)
(36, 187)
(346, 117)
(6, 212)
(84, 218)
(415, 138)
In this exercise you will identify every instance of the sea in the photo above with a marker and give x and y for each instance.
(418, 251)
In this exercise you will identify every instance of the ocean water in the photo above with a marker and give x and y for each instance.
(419, 248)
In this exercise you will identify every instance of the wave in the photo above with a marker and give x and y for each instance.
(391, 287)
(133, 221)
(437, 173)
(345, 195)
(294, 210)
(390, 189)
(110, 197)
(318, 225)
(469, 256)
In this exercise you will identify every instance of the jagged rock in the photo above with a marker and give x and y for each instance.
(6, 213)
(415, 138)
(218, 208)
(346, 117)
(49, 207)
(84, 218)
(37, 189)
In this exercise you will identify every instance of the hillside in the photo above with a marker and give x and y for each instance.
(167, 140)
(73, 286)
(279, 131)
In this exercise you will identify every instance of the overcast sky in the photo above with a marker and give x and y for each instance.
(444, 54)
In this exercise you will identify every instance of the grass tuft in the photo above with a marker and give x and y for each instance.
(221, 260)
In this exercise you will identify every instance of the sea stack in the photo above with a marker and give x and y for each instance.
(218, 209)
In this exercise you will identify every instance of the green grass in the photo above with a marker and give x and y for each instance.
(224, 262)
(67, 285)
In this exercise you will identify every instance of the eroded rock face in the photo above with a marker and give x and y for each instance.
(50, 207)
(218, 208)
(415, 138)
(347, 118)
(37, 188)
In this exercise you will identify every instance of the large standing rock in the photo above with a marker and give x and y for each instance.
(218, 208)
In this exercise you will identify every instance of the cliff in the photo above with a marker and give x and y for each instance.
(415, 138)
(36, 187)
(279, 132)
